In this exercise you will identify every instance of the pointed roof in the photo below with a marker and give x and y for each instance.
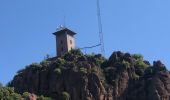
(63, 30)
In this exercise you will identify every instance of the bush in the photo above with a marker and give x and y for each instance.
(34, 66)
(25, 95)
(45, 63)
(65, 96)
(84, 70)
(7, 93)
(141, 64)
(61, 61)
(137, 56)
(135, 76)
(72, 55)
(126, 63)
(10, 89)
(57, 71)
(98, 59)
(1, 95)
(94, 70)
(76, 52)
(15, 96)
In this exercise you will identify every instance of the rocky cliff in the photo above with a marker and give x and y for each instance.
(76, 76)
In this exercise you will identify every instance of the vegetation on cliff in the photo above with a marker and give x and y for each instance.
(76, 76)
(7, 93)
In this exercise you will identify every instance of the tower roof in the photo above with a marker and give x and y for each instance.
(63, 30)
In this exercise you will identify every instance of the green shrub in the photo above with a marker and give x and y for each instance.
(84, 70)
(65, 96)
(135, 76)
(141, 64)
(15, 96)
(94, 70)
(10, 89)
(25, 95)
(76, 52)
(1, 95)
(61, 61)
(35, 66)
(126, 63)
(45, 63)
(99, 61)
(7, 93)
(137, 56)
(57, 71)
(72, 54)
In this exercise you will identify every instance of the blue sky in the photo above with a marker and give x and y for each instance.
(135, 26)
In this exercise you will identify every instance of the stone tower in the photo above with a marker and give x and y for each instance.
(64, 40)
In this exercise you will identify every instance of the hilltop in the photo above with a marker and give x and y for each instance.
(76, 76)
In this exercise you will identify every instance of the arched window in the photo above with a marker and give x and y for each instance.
(61, 42)
(62, 49)
(70, 41)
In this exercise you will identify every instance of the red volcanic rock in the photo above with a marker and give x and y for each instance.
(121, 77)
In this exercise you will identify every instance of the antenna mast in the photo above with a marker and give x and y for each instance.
(100, 28)
(64, 20)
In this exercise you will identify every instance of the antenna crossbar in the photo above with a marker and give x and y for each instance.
(90, 47)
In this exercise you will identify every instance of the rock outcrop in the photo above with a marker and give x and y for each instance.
(74, 73)
(92, 77)
(32, 97)
(135, 81)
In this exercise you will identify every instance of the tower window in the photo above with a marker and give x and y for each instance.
(62, 49)
(70, 42)
(61, 42)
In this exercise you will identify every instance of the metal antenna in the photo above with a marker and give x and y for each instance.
(100, 29)
(64, 22)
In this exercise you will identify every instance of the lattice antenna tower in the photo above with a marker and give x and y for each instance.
(100, 28)
(64, 20)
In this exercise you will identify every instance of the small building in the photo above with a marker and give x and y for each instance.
(64, 40)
